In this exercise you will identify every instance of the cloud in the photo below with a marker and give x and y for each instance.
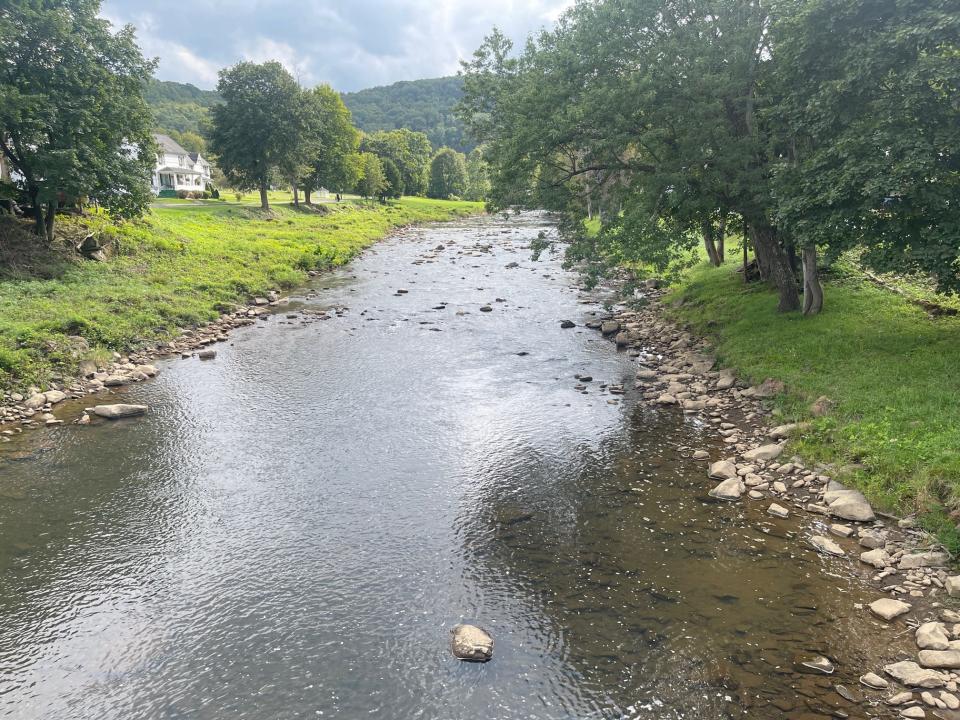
(351, 44)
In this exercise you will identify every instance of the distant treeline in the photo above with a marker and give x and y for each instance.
(425, 106)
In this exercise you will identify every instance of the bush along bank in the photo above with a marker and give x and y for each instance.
(677, 372)
(184, 274)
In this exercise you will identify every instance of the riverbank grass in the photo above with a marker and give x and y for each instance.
(891, 371)
(178, 267)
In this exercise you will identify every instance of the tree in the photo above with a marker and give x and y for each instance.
(410, 151)
(262, 127)
(190, 141)
(73, 121)
(372, 180)
(870, 140)
(478, 180)
(335, 163)
(448, 174)
(394, 179)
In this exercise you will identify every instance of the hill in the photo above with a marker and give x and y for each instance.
(180, 106)
(422, 105)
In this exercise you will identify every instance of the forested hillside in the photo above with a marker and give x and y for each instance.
(422, 105)
(180, 106)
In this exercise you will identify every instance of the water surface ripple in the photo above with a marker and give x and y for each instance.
(295, 527)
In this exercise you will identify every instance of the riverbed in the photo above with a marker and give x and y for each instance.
(295, 526)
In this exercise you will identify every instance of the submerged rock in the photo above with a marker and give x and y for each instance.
(471, 643)
(112, 412)
(825, 545)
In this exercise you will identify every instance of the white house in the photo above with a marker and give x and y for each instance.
(178, 169)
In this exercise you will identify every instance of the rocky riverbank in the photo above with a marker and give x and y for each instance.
(675, 371)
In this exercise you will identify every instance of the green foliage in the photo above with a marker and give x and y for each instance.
(421, 105)
(263, 128)
(180, 107)
(478, 176)
(73, 120)
(393, 178)
(181, 265)
(410, 152)
(336, 164)
(448, 174)
(871, 124)
(372, 182)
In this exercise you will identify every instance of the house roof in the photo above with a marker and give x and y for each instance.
(179, 170)
(169, 145)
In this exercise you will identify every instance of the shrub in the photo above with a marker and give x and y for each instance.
(183, 194)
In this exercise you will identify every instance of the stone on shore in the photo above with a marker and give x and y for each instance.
(704, 455)
(846, 503)
(207, 354)
(730, 489)
(35, 401)
(112, 412)
(825, 545)
(55, 396)
(666, 399)
(764, 452)
(943, 659)
(912, 675)
(913, 713)
(932, 636)
(471, 643)
(924, 559)
(610, 327)
(953, 586)
(888, 608)
(878, 557)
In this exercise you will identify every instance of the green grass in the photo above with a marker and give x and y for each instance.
(178, 267)
(891, 370)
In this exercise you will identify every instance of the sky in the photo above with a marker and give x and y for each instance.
(351, 44)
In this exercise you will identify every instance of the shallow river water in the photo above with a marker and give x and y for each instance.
(295, 527)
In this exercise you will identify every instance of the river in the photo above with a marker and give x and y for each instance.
(294, 528)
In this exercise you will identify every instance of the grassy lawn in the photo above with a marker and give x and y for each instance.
(892, 372)
(179, 266)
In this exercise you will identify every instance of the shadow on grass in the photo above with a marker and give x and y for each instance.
(26, 256)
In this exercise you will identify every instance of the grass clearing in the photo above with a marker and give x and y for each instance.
(177, 267)
(891, 370)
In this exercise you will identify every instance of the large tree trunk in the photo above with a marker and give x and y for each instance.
(746, 262)
(708, 243)
(306, 195)
(264, 201)
(51, 219)
(772, 258)
(812, 289)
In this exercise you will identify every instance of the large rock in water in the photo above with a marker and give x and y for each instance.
(112, 412)
(888, 608)
(730, 489)
(723, 470)
(912, 675)
(846, 503)
(764, 452)
(468, 642)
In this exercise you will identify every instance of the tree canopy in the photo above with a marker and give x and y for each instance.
(73, 121)
(410, 151)
(448, 174)
(810, 124)
(335, 164)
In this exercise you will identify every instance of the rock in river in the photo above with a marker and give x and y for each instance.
(912, 675)
(825, 545)
(888, 608)
(469, 642)
(567, 324)
(730, 489)
(113, 412)
(947, 659)
(932, 636)
(723, 470)
(846, 503)
(764, 452)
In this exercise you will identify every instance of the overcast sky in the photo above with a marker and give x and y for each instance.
(351, 44)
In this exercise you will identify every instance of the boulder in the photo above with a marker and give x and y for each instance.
(912, 675)
(932, 636)
(878, 557)
(914, 712)
(116, 380)
(35, 401)
(666, 399)
(704, 455)
(723, 470)
(112, 412)
(567, 324)
(888, 608)
(846, 503)
(874, 681)
(764, 452)
(945, 659)
(610, 327)
(207, 354)
(730, 489)
(471, 643)
(55, 396)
